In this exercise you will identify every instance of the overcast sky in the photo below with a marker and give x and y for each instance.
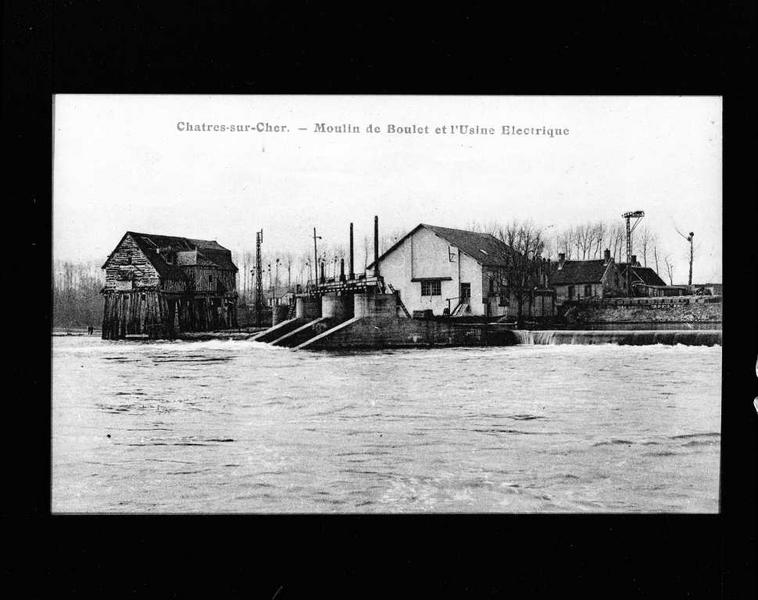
(122, 163)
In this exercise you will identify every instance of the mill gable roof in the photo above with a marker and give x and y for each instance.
(484, 248)
(209, 252)
(579, 271)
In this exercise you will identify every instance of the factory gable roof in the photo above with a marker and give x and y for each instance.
(579, 271)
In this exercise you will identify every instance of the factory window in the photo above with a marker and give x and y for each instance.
(431, 288)
(571, 292)
(210, 278)
(588, 290)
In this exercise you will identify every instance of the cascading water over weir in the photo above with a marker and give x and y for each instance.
(622, 337)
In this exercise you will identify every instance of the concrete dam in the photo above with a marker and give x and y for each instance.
(371, 319)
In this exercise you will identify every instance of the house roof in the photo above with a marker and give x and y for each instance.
(644, 275)
(209, 252)
(484, 248)
(579, 271)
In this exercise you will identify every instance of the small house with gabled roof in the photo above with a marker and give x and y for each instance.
(162, 285)
(645, 281)
(579, 279)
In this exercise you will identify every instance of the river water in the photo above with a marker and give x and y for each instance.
(238, 426)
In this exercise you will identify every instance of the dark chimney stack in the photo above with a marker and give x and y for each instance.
(561, 259)
(352, 267)
(342, 270)
(376, 246)
(634, 261)
(607, 256)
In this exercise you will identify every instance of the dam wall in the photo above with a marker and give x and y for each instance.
(395, 332)
(682, 309)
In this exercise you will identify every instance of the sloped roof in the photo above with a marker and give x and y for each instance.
(579, 271)
(210, 252)
(644, 275)
(484, 248)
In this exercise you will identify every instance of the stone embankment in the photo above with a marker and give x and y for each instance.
(681, 309)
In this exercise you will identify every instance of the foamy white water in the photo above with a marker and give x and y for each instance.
(238, 426)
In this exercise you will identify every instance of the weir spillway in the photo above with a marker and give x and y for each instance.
(624, 337)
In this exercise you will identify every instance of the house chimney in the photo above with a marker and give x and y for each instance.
(634, 262)
(561, 260)
(607, 256)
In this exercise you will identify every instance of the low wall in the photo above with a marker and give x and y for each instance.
(646, 310)
(375, 305)
(395, 332)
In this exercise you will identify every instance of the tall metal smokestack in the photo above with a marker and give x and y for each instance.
(376, 246)
(352, 266)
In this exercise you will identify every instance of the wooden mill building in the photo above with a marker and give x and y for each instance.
(163, 285)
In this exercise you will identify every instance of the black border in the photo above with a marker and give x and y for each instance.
(199, 47)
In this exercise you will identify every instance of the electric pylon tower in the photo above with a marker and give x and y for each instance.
(636, 215)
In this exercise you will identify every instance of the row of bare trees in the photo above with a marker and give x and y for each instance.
(588, 241)
(76, 294)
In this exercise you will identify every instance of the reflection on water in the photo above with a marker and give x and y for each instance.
(234, 426)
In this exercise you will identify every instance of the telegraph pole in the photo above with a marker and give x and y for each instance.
(315, 257)
(258, 278)
(689, 239)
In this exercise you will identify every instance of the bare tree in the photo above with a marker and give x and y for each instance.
(648, 241)
(655, 256)
(669, 269)
(526, 268)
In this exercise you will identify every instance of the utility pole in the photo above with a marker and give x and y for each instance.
(692, 252)
(315, 257)
(276, 277)
(258, 278)
(689, 239)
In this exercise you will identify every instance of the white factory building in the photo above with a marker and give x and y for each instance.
(448, 271)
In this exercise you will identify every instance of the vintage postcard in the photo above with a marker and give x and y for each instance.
(386, 304)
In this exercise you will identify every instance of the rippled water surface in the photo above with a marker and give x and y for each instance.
(236, 426)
